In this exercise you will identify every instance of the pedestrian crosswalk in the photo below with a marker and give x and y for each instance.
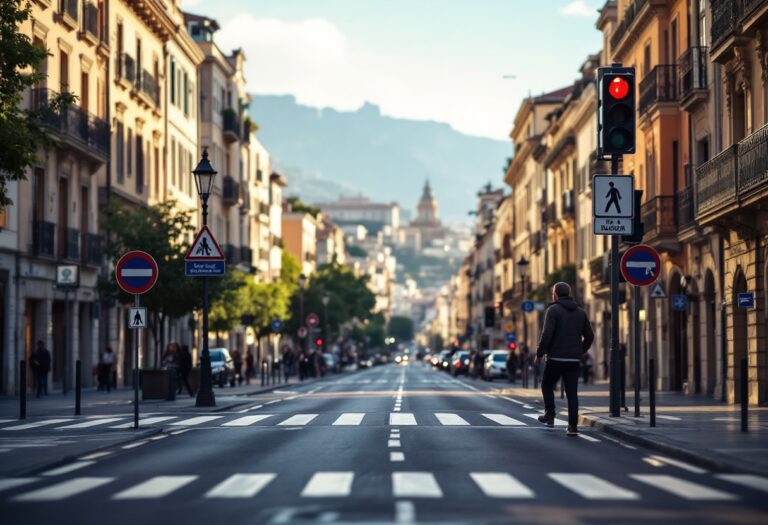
(398, 484)
(344, 419)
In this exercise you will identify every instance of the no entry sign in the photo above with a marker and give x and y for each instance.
(136, 272)
(641, 265)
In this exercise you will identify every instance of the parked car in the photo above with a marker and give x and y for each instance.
(222, 367)
(444, 361)
(332, 364)
(460, 363)
(495, 365)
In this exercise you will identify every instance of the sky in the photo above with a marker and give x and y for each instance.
(442, 60)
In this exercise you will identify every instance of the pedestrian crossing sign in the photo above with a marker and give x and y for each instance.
(204, 247)
(137, 317)
(657, 292)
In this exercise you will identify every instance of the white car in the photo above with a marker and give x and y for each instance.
(495, 365)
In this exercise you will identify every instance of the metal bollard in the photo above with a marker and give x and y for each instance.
(78, 385)
(262, 373)
(652, 389)
(22, 389)
(744, 395)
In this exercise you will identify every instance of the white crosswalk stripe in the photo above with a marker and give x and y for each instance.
(558, 422)
(592, 487)
(415, 485)
(9, 483)
(500, 485)
(501, 419)
(241, 486)
(683, 488)
(199, 420)
(146, 421)
(298, 420)
(246, 421)
(349, 419)
(91, 423)
(155, 488)
(747, 480)
(38, 424)
(328, 484)
(66, 469)
(450, 419)
(63, 490)
(403, 418)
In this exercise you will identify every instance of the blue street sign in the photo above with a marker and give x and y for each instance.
(679, 303)
(511, 337)
(747, 300)
(527, 306)
(204, 268)
(276, 325)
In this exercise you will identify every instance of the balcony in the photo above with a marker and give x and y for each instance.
(231, 254)
(725, 21)
(230, 194)
(43, 234)
(693, 77)
(659, 216)
(659, 86)
(567, 207)
(147, 85)
(245, 198)
(74, 127)
(92, 248)
(231, 125)
(535, 240)
(599, 274)
(550, 214)
(72, 248)
(246, 255)
(126, 68)
(686, 211)
(716, 183)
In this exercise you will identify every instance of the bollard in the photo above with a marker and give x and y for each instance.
(22, 389)
(562, 388)
(652, 389)
(78, 385)
(744, 395)
(262, 373)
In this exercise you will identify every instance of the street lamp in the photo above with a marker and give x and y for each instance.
(302, 285)
(204, 177)
(522, 268)
(326, 299)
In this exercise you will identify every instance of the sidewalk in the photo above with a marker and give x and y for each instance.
(692, 428)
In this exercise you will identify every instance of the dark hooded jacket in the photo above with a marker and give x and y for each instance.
(567, 332)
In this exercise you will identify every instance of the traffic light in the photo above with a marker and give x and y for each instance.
(490, 316)
(500, 310)
(637, 224)
(512, 346)
(319, 342)
(615, 110)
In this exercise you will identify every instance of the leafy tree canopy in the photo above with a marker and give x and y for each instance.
(298, 205)
(401, 328)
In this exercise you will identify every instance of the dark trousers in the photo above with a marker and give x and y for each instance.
(41, 378)
(569, 371)
(183, 380)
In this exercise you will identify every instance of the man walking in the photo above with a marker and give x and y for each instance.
(41, 365)
(565, 338)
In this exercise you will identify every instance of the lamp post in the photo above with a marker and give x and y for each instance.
(302, 285)
(522, 268)
(204, 177)
(326, 299)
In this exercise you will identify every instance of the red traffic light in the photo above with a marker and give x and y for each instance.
(319, 342)
(512, 346)
(618, 88)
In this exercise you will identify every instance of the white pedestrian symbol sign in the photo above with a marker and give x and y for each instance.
(204, 247)
(613, 197)
(137, 317)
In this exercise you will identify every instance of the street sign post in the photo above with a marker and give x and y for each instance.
(641, 265)
(527, 306)
(746, 300)
(67, 279)
(313, 320)
(511, 337)
(679, 303)
(613, 204)
(276, 325)
(657, 292)
(204, 257)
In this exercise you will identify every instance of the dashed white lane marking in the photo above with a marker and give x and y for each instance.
(95, 455)
(37, 424)
(328, 484)
(513, 400)
(177, 432)
(747, 480)
(154, 488)
(450, 419)
(63, 490)
(199, 420)
(245, 421)
(396, 457)
(501, 419)
(415, 485)
(6, 420)
(670, 418)
(588, 438)
(240, 486)
(9, 483)
(685, 489)
(273, 402)
(134, 445)
(592, 487)
(298, 420)
(91, 423)
(529, 407)
(500, 485)
(558, 422)
(396, 409)
(402, 419)
(351, 418)
(66, 469)
(679, 464)
(291, 398)
(145, 421)
(255, 408)
(393, 443)
(405, 512)
(654, 462)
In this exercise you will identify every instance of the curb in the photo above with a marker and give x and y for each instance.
(680, 453)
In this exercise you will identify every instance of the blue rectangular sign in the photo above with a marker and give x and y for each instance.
(747, 300)
(204, 268)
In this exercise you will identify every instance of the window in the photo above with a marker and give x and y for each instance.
(189, 168)
(673, 42)
(64, 72)
(702, 14)
(157, 171)
(173, 162)
(186, 94)
(84, 91)
(129, 159)
(647, 59)
(120, 154)
(139, 164)
(173, 81)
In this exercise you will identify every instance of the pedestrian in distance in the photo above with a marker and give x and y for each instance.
(248, 367)
(565, 338)
(41, 365)
(184, 368)
(587, 369)
(237, 363)
(511, 366)
(105, 372)
(170, 356)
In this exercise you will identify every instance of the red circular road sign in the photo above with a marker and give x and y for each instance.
(302, 331)
(641, 265)
(313, 320)
(136, 272)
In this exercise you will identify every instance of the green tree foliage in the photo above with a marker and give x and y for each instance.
(401, 328)
(231, 303)
(298, 205)
(21, 134)
(290, 270)
(543, 292)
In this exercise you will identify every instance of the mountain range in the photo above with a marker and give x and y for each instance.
(325, 153)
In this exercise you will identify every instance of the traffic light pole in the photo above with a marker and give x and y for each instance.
(615, 370)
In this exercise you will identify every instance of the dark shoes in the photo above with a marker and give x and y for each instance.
(547, 420)
(571, 431)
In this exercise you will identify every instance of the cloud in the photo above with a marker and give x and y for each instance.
(579, 8)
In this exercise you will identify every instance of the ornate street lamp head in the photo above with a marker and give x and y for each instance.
(302, 281)
(326, 298)
(522, 265)
(204, 176)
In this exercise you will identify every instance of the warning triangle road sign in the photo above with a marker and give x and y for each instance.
(657, 292)
(204, 248)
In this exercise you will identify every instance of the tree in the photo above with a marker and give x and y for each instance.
(21, 133)
(298, 205)
(401, 328)
(232, 303)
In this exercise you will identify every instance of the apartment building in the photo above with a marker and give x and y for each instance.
(299, 230)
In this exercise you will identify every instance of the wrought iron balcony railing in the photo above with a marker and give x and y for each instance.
(230, 191)
(43, 235)
(660, 85)
(659, 216)
(693, 70)
(716, 180)
(686, 212)
(72, 249)
(725, 19)
(92, 249)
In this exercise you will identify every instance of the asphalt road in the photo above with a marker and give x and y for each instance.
(393, 444)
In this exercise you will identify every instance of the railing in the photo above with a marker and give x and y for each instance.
(659, 216)
(725, 19)
(92, 249)
(229, 191)
(535, 242)
(231, 254)
(660, 85)
(597, 270)
(69, 8)
(753, 160)
(231, 122)
(43, 235)
(630, 14)
(550, 213)
(749, 6)
(72, 121)
(567, 207)
(716, 180)
(686, 211)
(245, 198)
(246, 255)
(72, 251)
(149, 86)
(126, 68)
(90, 19)
(693, 70)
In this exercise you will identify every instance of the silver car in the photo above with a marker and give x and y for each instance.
(495, 365)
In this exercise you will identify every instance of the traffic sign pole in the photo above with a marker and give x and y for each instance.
(615, 370)
(136, 371)
(636, 342)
